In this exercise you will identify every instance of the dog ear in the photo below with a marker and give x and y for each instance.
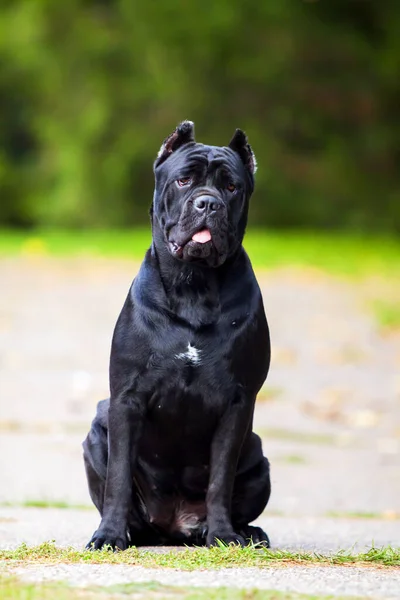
(183, 134)
(240, 145)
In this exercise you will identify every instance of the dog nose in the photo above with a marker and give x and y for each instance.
(208, 204)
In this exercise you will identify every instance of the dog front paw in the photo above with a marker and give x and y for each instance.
(255, 535)
(226, 537)
(103, 537)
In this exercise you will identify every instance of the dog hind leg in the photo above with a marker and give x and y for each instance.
(95, 455)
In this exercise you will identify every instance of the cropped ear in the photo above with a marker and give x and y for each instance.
(240, 145)
(183, 134)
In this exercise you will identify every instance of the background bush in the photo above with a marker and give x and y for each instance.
(89, 89)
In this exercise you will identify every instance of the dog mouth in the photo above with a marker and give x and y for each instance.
(200, 237)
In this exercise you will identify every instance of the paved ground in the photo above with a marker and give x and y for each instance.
(329, 414)
(367, 583)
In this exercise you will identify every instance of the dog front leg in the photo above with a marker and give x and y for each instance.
(125, 422)
(225, 451)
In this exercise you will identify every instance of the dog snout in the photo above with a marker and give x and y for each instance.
(207, 204)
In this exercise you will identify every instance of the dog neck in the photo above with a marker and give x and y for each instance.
(192, 291)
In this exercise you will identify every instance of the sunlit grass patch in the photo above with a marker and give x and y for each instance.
(268, 393)
(290, 435)
(55, 504)
(198, 558)
(46, 503)
(41, 427)
(126, 243)
(221, 593)
(387, 314)
(14, 589)
(389, 515)
(291, 459)
(337, 253)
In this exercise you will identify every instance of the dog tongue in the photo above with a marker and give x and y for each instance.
(202, 236)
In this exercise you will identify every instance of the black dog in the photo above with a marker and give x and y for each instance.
(171, 457)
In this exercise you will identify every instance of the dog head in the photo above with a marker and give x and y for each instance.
(202, 195)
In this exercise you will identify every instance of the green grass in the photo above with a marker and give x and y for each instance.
(387, 314)
(41, 427)
(289, 435)
(292, 459)
(13, 589)
(353, 515)
(267, 393)
(47, 504)
(189, 559)
(337, 253)
(390, 515)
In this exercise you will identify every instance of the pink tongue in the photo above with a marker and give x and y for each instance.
(202, 236)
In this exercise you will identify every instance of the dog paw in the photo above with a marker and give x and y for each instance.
(255, 535)
(215, 537)
(106, 537)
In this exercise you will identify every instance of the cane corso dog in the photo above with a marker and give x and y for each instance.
(171, 457)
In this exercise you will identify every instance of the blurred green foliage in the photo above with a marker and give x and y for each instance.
(89, 89)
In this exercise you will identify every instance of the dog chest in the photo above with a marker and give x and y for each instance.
(191, 356)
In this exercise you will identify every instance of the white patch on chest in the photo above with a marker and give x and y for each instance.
(191, 355)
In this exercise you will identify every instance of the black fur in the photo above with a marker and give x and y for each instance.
(171, 457)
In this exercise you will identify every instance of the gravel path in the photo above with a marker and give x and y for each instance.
(347, 581)
(329, 414)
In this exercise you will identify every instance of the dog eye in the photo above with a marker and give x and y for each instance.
(231, 187)
(184, 181)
